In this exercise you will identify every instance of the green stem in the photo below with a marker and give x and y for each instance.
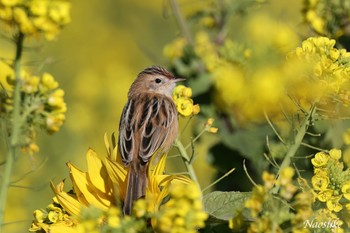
(186, 160)
(16, 114)
(294, 147)
(181, 21)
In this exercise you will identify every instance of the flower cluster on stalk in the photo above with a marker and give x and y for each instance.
(183, 101)
(42, 104)
(331, 182)
(326, 17)
(267, 210)
(329, 72)
(36, 16)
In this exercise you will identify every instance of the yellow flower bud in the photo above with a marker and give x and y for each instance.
(39, 215)
(196, 109)
(269, 179)
(335, 154)
(187, 92)
(346, 190)
(209, 122)
(213, 130)
(38, 7)
(48, 82)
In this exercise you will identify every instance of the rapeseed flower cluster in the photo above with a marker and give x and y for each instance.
(36, 16)
(326, 17)
(53, 218)
(184, 212)
(42, 103)
(267, 210)
(184, 104)
(331, 182)
(329, 72)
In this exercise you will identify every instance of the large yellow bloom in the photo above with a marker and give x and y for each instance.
(103, 185)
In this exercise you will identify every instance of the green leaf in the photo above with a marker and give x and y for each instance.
(224, 205)
(200, 84)
(249, 142)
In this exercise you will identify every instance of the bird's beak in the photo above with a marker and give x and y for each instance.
(178, 80)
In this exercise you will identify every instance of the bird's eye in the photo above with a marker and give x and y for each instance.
(158, 80)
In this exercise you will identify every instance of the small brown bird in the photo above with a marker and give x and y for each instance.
(148, 127)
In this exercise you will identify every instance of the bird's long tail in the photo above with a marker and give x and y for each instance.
(136, 186)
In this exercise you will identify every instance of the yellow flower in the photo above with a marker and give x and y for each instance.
(320, 182)
(175, 49)
(10, 2)
(320, 171)
(213, 130)
(333, 204)
(196, 109)
(346, 190)
(286, 175)
(29, 83)
(184, 106)
(54, 121)
(25, 24)
(316, 22)
(184, 211)
(47, 82)
(320, 160)
(159, 184)
(140, 208)
(56, 98)
(59, 12)
(184, 103)
(269, 179)
(38, 7)
(335, 154)
(288, 190)
(104, 184)
(52, 219)
(113, 214)
(325, 195)
(255, 203)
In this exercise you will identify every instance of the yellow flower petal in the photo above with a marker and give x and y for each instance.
(117, 173)
(320, 159)
(325, 195)
(97, 174)
(85, 190)
(335, 154)
(67, 201)
(320, 182)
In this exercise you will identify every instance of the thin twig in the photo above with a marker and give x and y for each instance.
(273, 128)
(181, 21)
(312, 147)
(246, 172)
(195, 139)
(186, 160)
(272, 162)
(218, 180)
(184, 127)
(314, 134)
(297, 142)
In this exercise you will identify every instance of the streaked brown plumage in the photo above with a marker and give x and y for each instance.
(148, 125)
